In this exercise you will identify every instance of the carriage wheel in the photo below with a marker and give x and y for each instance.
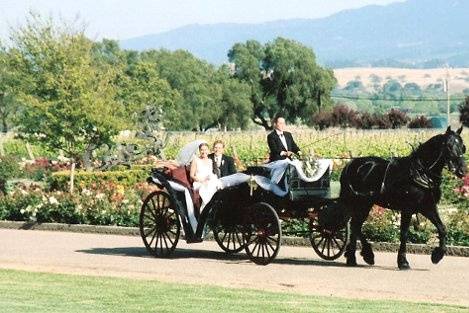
(328, 244)
(263, 233)
(159, 224)
(229, 238)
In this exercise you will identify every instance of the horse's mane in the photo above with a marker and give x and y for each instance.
(430, 145)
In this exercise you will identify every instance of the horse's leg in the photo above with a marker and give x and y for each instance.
(402, 263)
(367, 251)
(359, 216)
(352, 245)
(434, 217)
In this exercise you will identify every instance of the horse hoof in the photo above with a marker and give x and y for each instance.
(404, 266)
(369, 258)
(368, 255)
(437, 255)
(351, 263)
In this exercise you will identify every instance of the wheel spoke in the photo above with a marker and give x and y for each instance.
(151, 231)
(150, 216)
(224, 237)
(229, 239)
(161, 245)
(267, 250)
(239, 239)
(258, 249)
(323, 246)
(271, 246)
(254, 248)
(156, 242)
(337, 244)
(152, 238)
(165, 242)
(170, 240)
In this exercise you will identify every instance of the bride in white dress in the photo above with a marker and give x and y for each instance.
(205, 181)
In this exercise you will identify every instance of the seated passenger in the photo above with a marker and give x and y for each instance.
(205, 181)
(223, 165)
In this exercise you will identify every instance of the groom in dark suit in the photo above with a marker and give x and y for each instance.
(223, 165)
(281, 143)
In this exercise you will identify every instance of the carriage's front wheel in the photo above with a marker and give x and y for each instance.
(262, 233)
(159, 224)
(329, 244)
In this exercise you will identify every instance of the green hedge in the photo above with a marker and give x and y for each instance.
(84, 179)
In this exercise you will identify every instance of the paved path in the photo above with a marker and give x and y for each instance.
(296, 269)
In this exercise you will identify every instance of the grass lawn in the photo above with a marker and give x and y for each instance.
(39, 292)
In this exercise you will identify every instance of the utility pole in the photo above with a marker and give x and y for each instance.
(446, 88)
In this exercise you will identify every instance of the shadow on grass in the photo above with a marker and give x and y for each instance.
(240, 258)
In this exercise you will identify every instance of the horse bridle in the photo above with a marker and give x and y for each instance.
(424, 177)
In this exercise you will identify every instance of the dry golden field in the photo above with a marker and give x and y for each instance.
(458, 77)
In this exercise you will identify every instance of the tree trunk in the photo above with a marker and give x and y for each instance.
(87, 157)
(262, 122)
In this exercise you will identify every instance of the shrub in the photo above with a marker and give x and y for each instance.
(343, 116)
(364, 121)
(420, 122)
(9, 168)
(322, 119)
(382, 225)
(397, 118)
(458, 228)
(127, 178)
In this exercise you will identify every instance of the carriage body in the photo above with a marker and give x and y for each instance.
(244, 217)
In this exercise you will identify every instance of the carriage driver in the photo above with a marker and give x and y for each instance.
(281, 143)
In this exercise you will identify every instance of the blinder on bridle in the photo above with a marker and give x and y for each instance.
(454, 150)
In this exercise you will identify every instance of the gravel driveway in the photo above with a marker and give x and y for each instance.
(296, 269)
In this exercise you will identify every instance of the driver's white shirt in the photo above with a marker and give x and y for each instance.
(281, 135)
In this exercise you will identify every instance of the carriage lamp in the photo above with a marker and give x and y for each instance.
(252, 185)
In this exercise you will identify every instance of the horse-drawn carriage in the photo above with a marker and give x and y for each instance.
(246, 214)
(243, 217)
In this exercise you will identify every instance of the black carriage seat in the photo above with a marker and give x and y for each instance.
(181, 175)
(300, 190)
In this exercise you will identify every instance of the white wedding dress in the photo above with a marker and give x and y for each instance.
(208, 182)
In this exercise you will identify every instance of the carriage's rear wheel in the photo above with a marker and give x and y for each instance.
(262, 233)
(159, 224)
(229, 238)
(329, 244)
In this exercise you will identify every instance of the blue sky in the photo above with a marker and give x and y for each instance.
(121, 19)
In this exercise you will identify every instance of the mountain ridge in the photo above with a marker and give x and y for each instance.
(414, 33)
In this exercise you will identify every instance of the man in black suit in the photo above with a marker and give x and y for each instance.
(281, 143)
(223, 165)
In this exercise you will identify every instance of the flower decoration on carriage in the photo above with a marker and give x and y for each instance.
(310, 165)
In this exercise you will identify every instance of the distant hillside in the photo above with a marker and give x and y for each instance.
(415, 33)
(458, 77)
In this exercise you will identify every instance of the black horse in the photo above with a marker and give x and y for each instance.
(409, 184)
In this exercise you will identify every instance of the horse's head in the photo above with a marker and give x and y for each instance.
(454, 151)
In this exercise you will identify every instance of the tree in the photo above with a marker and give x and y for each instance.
(9, 106)
(236, 107)
(69, 102)
(284, 78)
(195, 81)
